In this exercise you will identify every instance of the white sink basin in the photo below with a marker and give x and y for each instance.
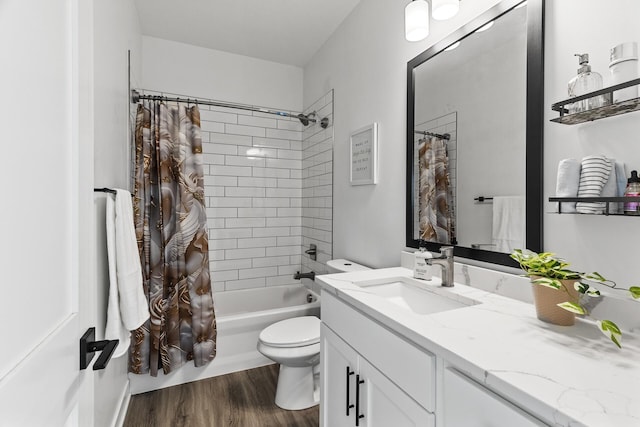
(414, 296)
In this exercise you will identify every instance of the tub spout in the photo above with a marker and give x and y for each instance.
(310, 275)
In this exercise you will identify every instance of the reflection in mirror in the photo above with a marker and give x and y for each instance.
(468, 134)
(476, 94)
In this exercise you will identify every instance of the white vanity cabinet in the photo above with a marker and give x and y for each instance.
(339, 365)
(467, 403)
(370, 376)
(355, 393)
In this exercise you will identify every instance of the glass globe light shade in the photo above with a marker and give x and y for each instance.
(444, 9)
(416, 20)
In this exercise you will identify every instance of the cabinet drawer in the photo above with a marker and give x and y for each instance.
(468, 403)
(409, 367)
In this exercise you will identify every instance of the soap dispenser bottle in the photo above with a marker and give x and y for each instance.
(421, 269)
(633, 190)
(586, 81)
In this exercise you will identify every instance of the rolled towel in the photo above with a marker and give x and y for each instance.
(568, 181)
(610, 188)
(594, 174)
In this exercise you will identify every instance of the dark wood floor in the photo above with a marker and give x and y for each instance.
(241, 399)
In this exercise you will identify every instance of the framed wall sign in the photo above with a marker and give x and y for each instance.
(364, 155)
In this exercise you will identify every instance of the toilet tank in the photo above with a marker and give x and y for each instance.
(344, 266)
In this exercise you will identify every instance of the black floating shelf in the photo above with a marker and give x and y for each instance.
(606, 200)
(615, 109)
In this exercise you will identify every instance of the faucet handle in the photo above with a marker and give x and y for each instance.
(446, 251)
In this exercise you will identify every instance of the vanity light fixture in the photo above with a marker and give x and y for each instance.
(444, 9)
(485, 27)
(416, 20)
(453, 46)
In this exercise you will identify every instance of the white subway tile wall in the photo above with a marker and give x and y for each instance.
(253, 198)
(317, 187)
(268, 189)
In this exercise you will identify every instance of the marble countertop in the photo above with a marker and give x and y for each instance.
(566, 376)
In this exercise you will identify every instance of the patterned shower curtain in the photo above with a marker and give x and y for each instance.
(170, 219)
(435, 200)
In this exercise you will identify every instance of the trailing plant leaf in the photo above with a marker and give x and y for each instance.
(635, 291)
(611, 330)
(595, 276)
(585, 289)
(572, 307)
(552, 269)
(550, 283)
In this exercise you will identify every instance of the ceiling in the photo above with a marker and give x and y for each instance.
(283, 31)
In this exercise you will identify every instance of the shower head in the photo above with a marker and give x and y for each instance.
(306, 118)
(303, 119)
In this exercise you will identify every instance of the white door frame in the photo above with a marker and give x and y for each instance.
(42, 383)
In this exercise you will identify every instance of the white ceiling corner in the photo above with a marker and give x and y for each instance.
(283, 31)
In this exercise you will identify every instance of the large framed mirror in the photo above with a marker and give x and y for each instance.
(474, 136)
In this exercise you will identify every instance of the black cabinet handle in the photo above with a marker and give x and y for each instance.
(358, 415)
(349, 373)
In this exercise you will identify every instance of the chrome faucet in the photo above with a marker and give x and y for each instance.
(445, 261)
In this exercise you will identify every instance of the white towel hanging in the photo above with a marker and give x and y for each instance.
(508, 231)
(127, 306)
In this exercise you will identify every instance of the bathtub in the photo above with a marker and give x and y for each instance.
(240, 316)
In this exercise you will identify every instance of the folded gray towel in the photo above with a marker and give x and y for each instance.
(594, 174)
(568, 181)
(621, 178)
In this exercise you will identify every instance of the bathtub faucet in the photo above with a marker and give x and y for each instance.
(310, 275)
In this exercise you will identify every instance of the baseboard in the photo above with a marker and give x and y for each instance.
(121, 414)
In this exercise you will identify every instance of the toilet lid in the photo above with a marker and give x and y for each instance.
(294, 332)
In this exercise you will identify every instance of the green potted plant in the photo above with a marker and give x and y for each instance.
(557, 290)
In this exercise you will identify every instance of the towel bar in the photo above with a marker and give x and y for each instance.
(482, 199)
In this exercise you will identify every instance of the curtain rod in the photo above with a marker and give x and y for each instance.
(304, 118)
(437, 135)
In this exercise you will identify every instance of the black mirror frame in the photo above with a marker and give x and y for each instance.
(534, 129)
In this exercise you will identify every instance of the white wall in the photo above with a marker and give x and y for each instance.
(199, 72)
(117, 30)
(365, 62)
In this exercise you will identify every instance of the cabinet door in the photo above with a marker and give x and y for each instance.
(467, 403)
(383, 404)
(338, 364)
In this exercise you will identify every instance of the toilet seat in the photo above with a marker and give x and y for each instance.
(294, 332)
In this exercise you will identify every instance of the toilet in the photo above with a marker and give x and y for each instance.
(295, 344)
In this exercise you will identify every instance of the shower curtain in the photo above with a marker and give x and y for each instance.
(435, 199)
(171, 229)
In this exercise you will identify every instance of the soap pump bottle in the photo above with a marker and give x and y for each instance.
(421, 269)
(633, 190)
(586, 81)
